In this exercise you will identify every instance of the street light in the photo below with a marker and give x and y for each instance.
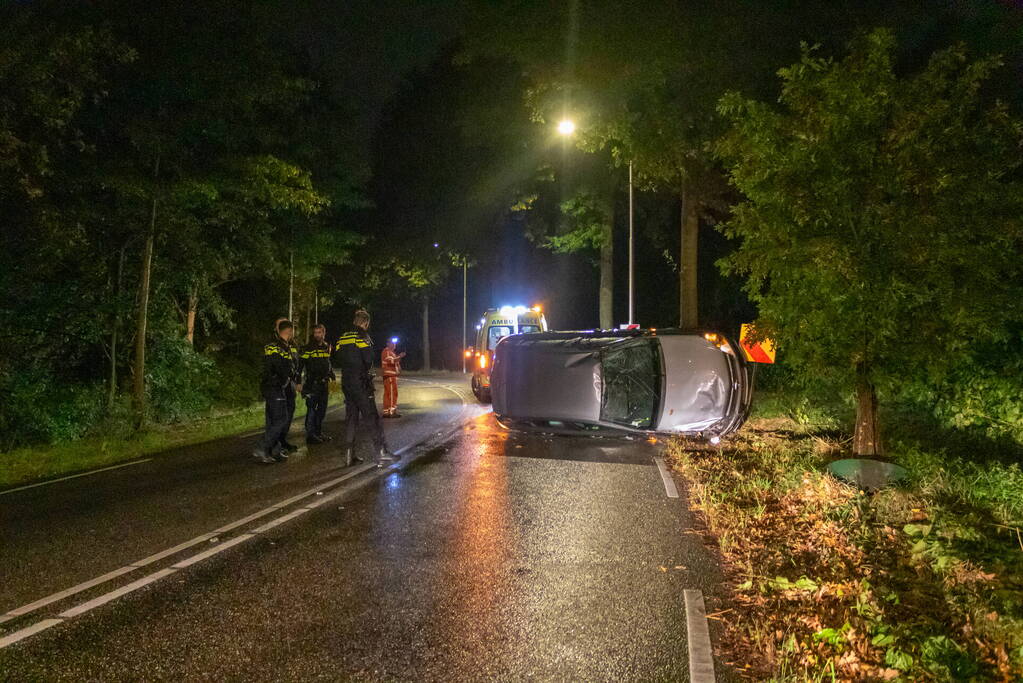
(567, 127)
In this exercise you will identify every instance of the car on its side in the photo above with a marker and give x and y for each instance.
(607, 382)
(495, 325)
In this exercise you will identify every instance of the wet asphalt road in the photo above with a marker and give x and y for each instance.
(484, 556)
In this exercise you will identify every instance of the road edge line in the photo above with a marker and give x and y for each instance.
(701, 655)
(669, 483)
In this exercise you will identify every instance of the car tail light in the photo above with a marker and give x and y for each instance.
(483, 360)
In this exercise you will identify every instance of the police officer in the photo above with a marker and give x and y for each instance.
(296, 388)
(355, 357)
(317, 371)
(278, 386)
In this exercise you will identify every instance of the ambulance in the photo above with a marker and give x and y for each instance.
(495, 325)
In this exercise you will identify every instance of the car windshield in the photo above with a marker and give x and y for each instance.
(528, 329)
(632, 383)
(495, 334)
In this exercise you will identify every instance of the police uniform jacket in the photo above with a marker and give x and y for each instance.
(280, 367)
(315, 363)
(354, 353)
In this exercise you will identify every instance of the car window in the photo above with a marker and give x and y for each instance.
(528, 329)
(495, 334)
(632, 383)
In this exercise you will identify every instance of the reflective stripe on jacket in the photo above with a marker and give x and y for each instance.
(390, 363)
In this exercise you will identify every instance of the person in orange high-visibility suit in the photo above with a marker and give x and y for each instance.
(390, 364)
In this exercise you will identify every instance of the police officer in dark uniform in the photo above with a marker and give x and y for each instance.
(355, 357)
(278, 386)
(296, 388)
(318, 371)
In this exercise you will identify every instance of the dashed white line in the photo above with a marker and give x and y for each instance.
(76, 476)
(669, 483)
(701, 656)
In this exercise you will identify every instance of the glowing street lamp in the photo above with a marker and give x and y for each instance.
(567, 127)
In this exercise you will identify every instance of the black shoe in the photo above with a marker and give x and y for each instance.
(325, 437)
(395, 414)
(315, 440)
(280, 455)
(289, 447)
(262, 458)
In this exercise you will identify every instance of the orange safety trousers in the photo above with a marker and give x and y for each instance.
(390, 394)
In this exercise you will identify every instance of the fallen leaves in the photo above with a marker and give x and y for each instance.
(825, 578)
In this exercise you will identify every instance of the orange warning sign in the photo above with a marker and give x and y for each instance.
(756, 352)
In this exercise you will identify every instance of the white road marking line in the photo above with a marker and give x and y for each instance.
(189, 561)
(701, 656)
(28, 631)
(171, 551)
(325, 485)
(280, 520)
(42, 602)
(76, 476)
(669, 483)
(114, 594)
(245, 520)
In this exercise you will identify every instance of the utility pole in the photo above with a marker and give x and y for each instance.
(465, 306)
(631, 244)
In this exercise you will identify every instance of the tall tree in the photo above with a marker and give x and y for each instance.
(880, 231)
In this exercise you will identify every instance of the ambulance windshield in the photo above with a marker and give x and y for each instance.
(495, 334)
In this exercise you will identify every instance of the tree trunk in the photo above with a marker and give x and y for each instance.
(426, 334)
(138, 395)
(689, 316)
(193, 307)
(115, 328)
(607, 276)
(867, 437)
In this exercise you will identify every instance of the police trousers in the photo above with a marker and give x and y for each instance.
(316, 396)
(360, 404)
(279, 411)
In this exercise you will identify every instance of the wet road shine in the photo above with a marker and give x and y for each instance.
(487, 556)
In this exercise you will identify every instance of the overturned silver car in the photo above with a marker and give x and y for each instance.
(637, 381)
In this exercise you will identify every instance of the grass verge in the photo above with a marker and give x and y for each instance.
(26, 465)
(919, 582)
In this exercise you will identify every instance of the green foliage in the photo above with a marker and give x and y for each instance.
(587, 218)
(881, 221)
(179, 380)
(43, 407)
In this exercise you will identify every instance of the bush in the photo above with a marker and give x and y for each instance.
(40, 407)
(180, 381)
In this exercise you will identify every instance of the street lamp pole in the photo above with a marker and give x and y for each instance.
(465, 306)
(631, 244)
